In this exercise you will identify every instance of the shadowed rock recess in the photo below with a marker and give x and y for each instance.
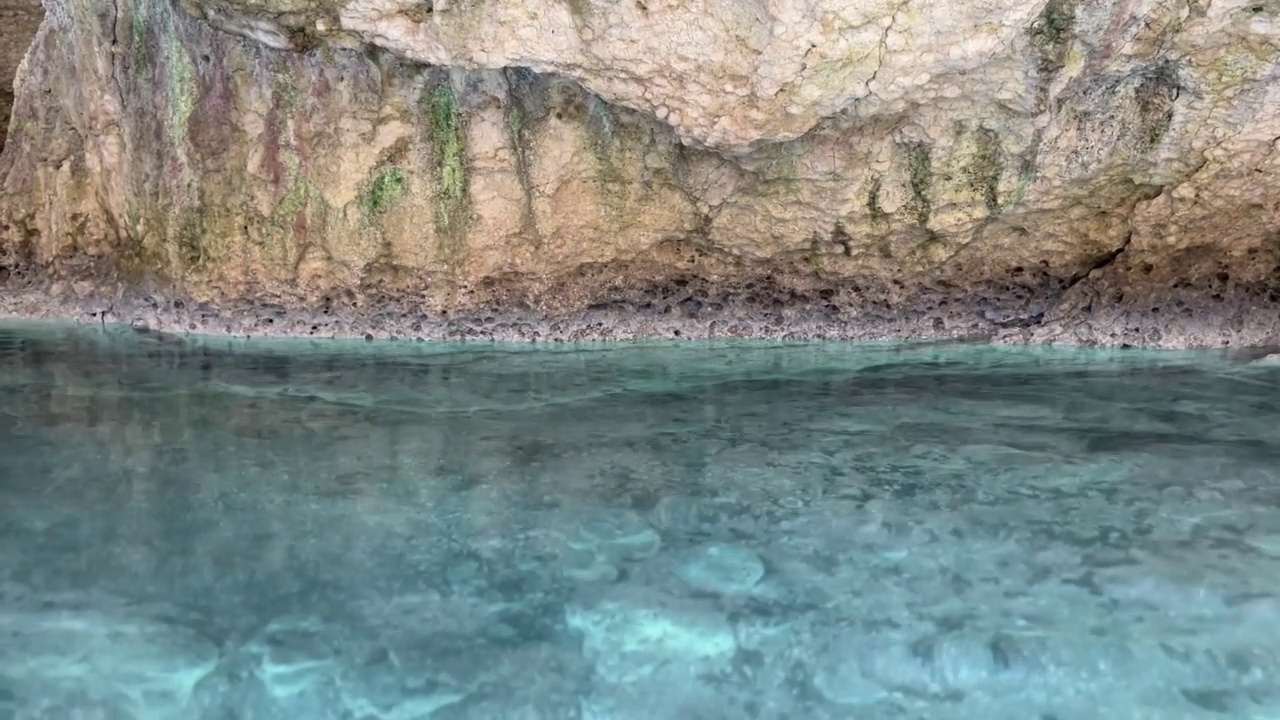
(18, 22)
(1069, 171)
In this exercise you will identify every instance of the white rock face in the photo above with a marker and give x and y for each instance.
(726, 73)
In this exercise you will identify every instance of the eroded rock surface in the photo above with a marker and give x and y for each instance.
(18, 22)
(1061, 170)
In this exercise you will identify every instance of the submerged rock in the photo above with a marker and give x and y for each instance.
(586, 566)
(414, 677)
(862, 668)
(724, 569)
(629, 635)
(76, 704)
(617, 535)
(598, 541)
(119, 662)
(668, 693)
(294, 654)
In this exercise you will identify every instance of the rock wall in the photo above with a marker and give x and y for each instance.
(18, 22)
(1073, 170)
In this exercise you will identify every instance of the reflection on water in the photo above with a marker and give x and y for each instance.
(207, 530)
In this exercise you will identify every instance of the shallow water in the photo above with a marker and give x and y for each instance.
(210, 530)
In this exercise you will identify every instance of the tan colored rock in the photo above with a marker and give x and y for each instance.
(1098, 172)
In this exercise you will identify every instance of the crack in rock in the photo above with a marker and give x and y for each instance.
(884, 48)
(1037, 320)
(1100, 263)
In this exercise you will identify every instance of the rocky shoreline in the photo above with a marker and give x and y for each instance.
(1235, 318)
(1058, 172)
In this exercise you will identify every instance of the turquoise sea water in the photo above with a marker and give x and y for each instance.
(216, 530)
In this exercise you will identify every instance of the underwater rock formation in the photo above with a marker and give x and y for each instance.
(1098, 171)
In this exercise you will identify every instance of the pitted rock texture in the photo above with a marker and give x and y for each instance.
(1061, 170)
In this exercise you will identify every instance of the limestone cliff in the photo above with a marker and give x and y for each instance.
(1080, 170)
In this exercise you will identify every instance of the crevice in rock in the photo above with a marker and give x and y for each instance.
(1020, 323)
(1037, 319)
(19, 20)
(1100, 263)
(883, 49)
(118, 49)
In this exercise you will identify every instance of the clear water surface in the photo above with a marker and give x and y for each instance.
(219, 530)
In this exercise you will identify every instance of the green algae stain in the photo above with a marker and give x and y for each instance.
(284, 87)
(383, 192)
(986, 168)
(581, 10)
(605, 142)
(782, 167)
(451, 180)
(139, 24)
(874, 209)
(180, 79)
(603, 125)
(447, 131)
(1027, 162)
(920, 177)
(301, 203)
(517, 124)
(1052, 32)
(135, 255)
(293, 202)
(1154, 97)
(293, 217)
(189, 242)
(1051, 36)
